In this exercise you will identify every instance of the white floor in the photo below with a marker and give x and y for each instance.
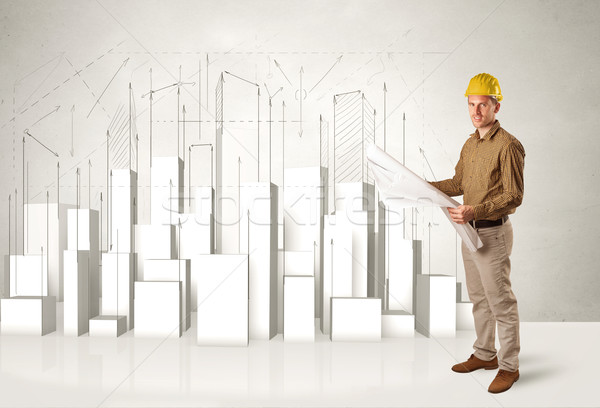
(559, 368)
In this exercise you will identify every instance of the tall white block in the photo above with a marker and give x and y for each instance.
(166, 198)
(337, 265)
(77, 290)
(352, 197)
(304, 205)
(117, 286)
(108, 326)
(298, 309)
(195, 235)
(222, 309)
(28, 275)
(28, 315)
(258, 226)
(400, 268)
(299, 263)
(84, 235)
(158, 309)
(355, 319)
(172, 270)
(123, 210)
(397, 323)
(359, 225)
(46, 226)
(436, 305)
(464, 316)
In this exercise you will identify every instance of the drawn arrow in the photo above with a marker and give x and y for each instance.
(337, 61)
(26, 131)
(72, 151)
(425, 157)
(384, 116)
(281, 69)
(301, 98)
(105, 88)
(245, 80)
(45, 116)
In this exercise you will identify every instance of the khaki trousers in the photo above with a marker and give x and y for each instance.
(488, 282)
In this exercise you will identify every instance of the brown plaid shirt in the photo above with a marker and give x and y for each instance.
(489, 173)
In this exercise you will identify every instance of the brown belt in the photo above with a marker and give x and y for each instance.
(488, 223)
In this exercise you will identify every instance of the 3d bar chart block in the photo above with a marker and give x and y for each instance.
(400, 269)
(154, 242)
(222, 295)
(299, 263)
(464, 316)
(117, 286)
(302, 203)
(337, 265)
(436, 305)
(298, 309)
(397, 323)
(158, 309)
(108, 326)
(171, 270)
(355, 319)
(195, 235)
(83, 225)
(32, 315)
(258, 226)
(46, 227)
(76, 292)
(123, 211)
(28, 275)
(166, 190)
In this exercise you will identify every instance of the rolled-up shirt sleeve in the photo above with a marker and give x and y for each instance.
(512, 165)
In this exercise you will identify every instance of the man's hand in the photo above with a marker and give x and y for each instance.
(462, 214)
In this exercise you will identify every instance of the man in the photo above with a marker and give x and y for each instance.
(489, 174)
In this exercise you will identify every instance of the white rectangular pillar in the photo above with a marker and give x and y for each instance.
(355, 319)
(46, 227)
(117, 286)
(35, 315)
(154, 242)
(84, 235)
(258, 226)
(123, 214)
(436, 305)
(158, 309)
(337, 265)
(222, 309)
(195, 235)
(166, 198)
(298, 309)
(172, 270)
(399, 264)
(76, 292)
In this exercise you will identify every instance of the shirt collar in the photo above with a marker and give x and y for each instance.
(493, 130)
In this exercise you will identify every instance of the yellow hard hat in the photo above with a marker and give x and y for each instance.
(484, 84)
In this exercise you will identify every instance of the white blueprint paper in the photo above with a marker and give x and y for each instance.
(399, 188)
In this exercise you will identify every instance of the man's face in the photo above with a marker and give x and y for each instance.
(482, 110)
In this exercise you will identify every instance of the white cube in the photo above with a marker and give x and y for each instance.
(32, 315)
(355, 319)
(397, 323)
(108, 326)
(158, 309)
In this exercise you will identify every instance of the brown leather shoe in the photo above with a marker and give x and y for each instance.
(503, 381)
(473, 363)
